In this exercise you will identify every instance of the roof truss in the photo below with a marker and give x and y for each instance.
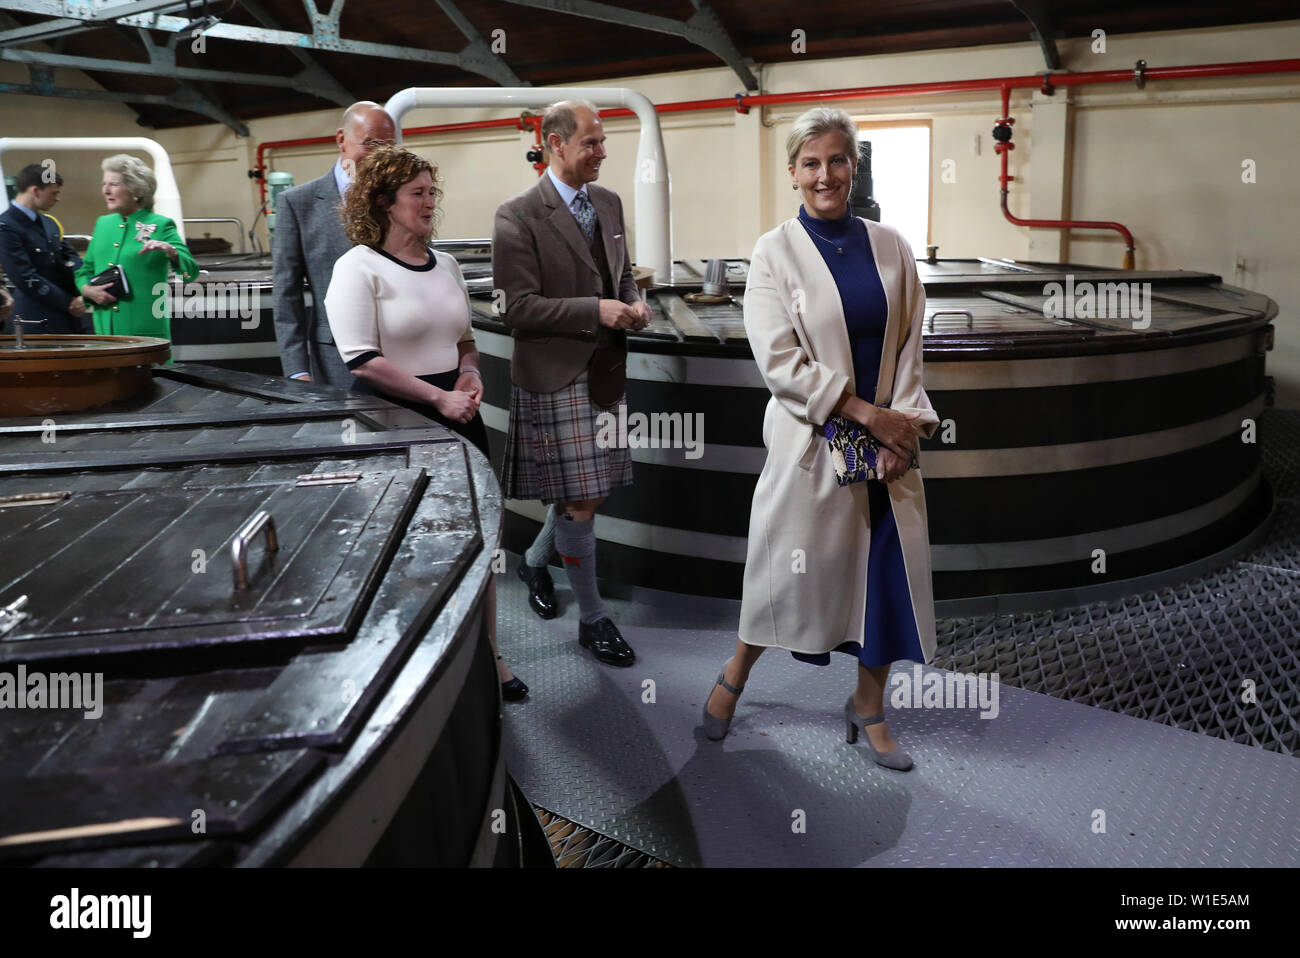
(704, 29)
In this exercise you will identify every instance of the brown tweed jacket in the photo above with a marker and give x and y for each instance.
(542, 262)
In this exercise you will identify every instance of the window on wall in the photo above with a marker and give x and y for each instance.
(900, 170)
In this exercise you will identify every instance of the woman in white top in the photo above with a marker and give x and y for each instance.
(399, 311)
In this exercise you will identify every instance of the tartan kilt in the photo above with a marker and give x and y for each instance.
(551, 450)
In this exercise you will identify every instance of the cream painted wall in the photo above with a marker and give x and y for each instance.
(1165, 161)
(80, 202)
(1170, 168)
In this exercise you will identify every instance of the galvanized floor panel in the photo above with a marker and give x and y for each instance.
(1127, 715)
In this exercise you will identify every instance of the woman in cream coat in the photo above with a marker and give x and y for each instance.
(806, 573)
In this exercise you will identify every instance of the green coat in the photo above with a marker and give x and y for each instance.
(117, 241)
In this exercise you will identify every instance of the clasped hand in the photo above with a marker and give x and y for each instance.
(619, 315)
(458, 403)
(890, 466)
(99, 295)
(471, 383)
(897, 433)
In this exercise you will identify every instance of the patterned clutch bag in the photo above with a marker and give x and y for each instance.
(854, 451)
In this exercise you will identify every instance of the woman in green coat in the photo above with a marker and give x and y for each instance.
(147, 246)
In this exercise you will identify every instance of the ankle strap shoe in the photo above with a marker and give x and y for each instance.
(898, 760)
(715, 729)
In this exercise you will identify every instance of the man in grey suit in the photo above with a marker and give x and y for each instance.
(309, 238)
(559, 254)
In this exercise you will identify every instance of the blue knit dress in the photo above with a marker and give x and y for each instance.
(890, 633)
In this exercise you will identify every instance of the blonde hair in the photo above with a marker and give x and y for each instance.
(818, 121)
(136, 177)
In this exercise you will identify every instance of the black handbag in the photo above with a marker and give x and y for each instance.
(115, 278)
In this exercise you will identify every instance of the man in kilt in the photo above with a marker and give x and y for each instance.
(559, 254)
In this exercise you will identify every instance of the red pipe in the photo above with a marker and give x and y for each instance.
(517, 123)
(1004, 147)
(536, 123)
(742, 103)
(1064, 224)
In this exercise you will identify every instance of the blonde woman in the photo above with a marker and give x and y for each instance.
(144, 244)
(833, 309)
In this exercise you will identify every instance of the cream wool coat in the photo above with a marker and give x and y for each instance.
(806, 569)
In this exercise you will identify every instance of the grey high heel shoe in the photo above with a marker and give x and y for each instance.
(897, 759)
(715, 729)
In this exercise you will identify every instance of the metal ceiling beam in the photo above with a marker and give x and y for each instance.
(47, 88)
(91, 9)
(188, 96)
(704, 29)
(43, 85)
(474, 58)
(137, 68)
(317, 73)
(335, 11)
(48, 30)
(325, 37)
(185, 97)
(478, 49)
(75, 19)
(1035, 11)
(192, 98)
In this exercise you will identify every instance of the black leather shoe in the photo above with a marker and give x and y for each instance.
(541, 590)
(514, 690)
(605, 641)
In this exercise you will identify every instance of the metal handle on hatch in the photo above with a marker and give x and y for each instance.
(970, 320)
(239, 548)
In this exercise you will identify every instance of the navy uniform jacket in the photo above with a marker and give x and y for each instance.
(40, 266)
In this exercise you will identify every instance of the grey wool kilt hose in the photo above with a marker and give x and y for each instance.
(552, 452)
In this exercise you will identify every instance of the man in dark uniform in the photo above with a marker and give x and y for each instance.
(37, 260)
(559, 253)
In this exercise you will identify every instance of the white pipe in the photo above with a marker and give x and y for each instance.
(167, 197)
(653, 225)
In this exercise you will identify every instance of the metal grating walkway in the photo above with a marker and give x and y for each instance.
(593, 745)
(1180, 655)
(575, 846)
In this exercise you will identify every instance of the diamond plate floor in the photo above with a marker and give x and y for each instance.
(1182, 771)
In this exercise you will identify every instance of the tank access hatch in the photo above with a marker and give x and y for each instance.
(195, 564)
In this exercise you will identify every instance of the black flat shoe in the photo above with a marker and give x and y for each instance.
(541, 590)
(514, 690)
(606, 642)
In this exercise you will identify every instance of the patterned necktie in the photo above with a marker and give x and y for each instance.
(585, 215)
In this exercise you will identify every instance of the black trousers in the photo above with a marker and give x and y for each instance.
(474, 430)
